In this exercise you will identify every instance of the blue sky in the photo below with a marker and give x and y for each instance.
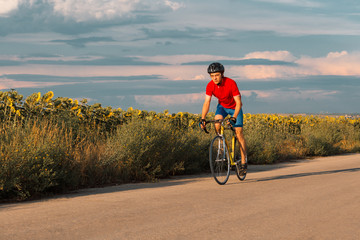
(287, 56)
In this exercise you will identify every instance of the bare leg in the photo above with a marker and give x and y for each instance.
(240, 136)
(218, 125)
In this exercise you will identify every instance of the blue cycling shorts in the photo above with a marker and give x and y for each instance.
(228, 111)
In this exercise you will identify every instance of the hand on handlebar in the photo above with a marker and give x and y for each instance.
(202, 123)
(232, 121)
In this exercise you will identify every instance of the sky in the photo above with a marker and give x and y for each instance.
(286, 56)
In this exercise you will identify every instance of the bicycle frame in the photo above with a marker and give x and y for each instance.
(233, 141)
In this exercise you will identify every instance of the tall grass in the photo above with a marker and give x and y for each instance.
(45, 156)
(36, 157)
(299, 137)
(146, 150)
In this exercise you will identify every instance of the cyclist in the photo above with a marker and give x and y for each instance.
(229, 103)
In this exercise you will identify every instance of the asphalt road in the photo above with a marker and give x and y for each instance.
(310, 199)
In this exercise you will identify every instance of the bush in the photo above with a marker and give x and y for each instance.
(146, 150)
(34, 159)
(323, 139)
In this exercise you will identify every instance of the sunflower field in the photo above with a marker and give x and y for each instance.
(56, 145)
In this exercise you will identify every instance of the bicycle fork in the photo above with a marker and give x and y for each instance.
(222, 147)
(221, 153)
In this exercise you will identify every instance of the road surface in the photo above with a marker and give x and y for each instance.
(311, 199)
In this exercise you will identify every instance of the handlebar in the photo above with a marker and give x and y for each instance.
(221, 121)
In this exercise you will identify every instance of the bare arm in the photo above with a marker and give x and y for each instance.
(238, 106)
(206, 107)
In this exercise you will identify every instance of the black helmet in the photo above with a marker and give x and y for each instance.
(216, 67)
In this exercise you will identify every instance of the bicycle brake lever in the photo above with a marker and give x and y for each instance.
(206, 131)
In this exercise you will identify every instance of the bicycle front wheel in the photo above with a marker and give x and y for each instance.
(219, 160)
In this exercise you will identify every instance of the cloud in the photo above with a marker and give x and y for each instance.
(176, 34)
(199, 77)
(297, 3)
(95, 79)
(272, 55)
(6, 83)
(78, 16)
(9, 63)
(288, 17)
(87, 10)
(335, 63)
(74, 60)
(337, 54)
(15, 60)
(180, 59)
(7, 6)
(81, 42)
(173, 5)
(23, 20)
(253, 58)
(169, 100)
(166, 43)
(106, 67)
(111, 85)
(244, 62)
(261, 72)
(280, 95)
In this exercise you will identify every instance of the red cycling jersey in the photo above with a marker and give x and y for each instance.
(225, 92)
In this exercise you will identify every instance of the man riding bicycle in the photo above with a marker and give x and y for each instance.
(229, 103)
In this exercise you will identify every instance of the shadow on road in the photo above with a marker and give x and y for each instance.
(304, 175)
(110, 189)
(133, 186)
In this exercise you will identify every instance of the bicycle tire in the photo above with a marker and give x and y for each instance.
(237, 157)
(219, 160)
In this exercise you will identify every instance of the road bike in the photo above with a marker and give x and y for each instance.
(221, 158)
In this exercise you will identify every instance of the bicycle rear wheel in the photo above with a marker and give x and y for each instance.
(219, 160)
(240, 173)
